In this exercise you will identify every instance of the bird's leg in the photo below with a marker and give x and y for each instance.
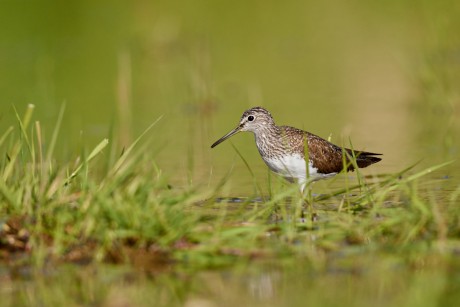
(307, 198)
(306, 182)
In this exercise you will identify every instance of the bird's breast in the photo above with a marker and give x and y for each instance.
(290, 166)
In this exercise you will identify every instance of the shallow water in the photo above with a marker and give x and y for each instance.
(359, 279)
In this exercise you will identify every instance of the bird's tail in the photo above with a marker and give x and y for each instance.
(364, 158)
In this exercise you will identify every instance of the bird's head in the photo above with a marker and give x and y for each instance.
(254, 119)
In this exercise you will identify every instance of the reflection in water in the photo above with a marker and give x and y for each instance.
(359, 279)
(263, 286)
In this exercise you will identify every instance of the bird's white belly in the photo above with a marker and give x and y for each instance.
(294, 167)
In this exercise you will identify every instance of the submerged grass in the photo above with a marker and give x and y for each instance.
(89, 210)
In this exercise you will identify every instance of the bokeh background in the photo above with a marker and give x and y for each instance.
(385, 74)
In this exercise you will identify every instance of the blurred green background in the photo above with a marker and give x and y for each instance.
(383, 73)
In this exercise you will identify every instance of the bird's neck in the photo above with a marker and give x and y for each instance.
(268, 140)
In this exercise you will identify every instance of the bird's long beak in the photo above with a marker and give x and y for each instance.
(234, 131)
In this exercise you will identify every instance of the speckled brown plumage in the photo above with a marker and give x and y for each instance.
(325, 156)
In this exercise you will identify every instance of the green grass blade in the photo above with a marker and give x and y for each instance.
(5, 135)
(55, 134)
(7, 195)
(97, 150)
(126, 153)
(428, 170)
(17, 146)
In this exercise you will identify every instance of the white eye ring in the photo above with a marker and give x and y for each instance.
(250, 118)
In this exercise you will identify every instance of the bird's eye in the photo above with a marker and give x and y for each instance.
(250, 118)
